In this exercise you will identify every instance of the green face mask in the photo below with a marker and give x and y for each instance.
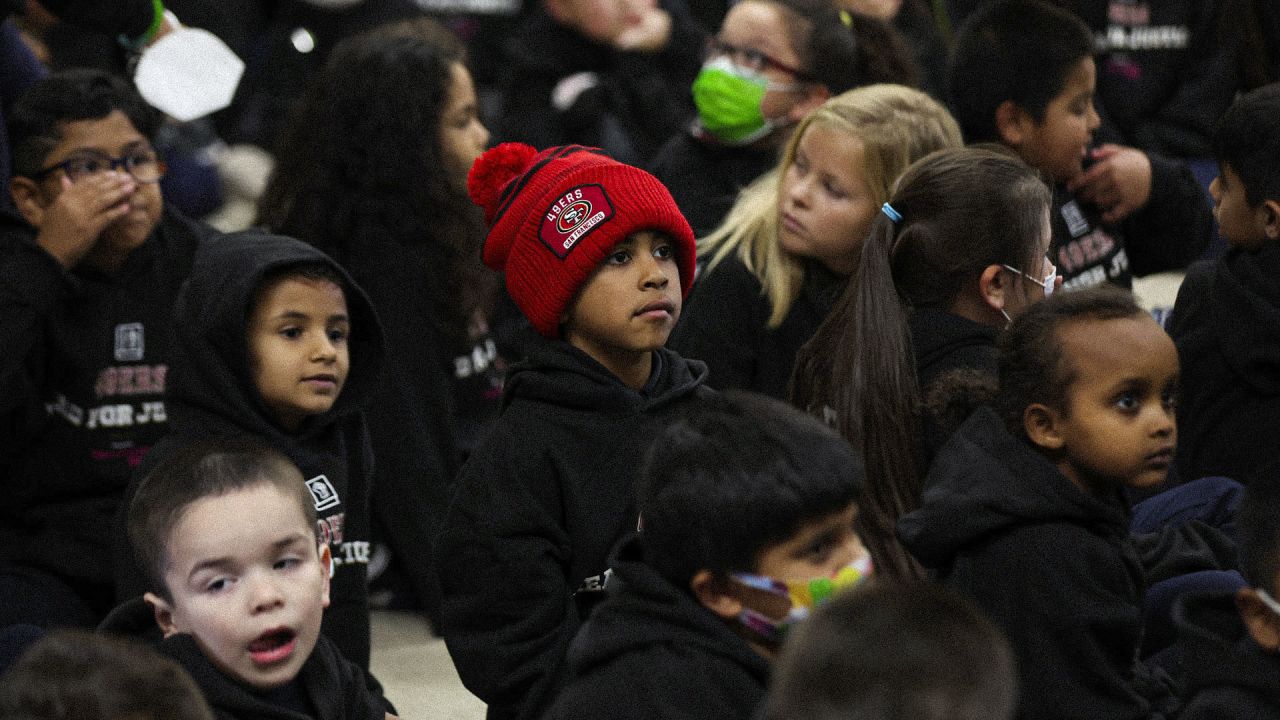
(728, 99)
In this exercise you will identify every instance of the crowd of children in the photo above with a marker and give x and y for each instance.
(883, 433)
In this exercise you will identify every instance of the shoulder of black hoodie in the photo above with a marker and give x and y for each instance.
(725, 325)
(538, 507)
(1065, 588)
(1224, 326)
(336, 688)
(1226, 675)
(704, 177)
(650, 650)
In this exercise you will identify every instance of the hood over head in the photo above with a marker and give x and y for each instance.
(210, 373)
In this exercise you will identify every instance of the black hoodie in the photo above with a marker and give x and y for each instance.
(1051, 565)
(1226, 324)
(651, 650)
(82, 377)
(724, 325)
(1226, 674)
(211, 393)
(328, 687)
(540, 504)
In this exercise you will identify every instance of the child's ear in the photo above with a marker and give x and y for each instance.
(326, 567)
(28, 199)
(1263, 624)
(1013, 123)
(1041, 424)
(992, 287)
(163, 612)
(714, 594)
(1271, 208)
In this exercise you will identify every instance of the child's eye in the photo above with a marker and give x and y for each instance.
(337, 335)
(286, 562)
(1127, 401)
(619, 257)
(292, 333)
(1170, 399)
(217, 585)
(663, 252)
(833, 190)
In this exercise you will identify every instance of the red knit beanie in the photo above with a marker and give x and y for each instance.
(555, 215)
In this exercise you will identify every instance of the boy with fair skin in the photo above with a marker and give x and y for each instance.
(598, 259)
(1226, 317)
(89, 281)
(747, 522)
(1022, 74)
(279, 344)
(1085, 409)
(227, 533)
(1230, 640)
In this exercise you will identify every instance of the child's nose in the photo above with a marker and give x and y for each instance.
(266, 595)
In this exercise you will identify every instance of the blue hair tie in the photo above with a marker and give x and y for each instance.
(894, 215)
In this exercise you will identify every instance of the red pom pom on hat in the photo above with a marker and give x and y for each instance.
(491, 172)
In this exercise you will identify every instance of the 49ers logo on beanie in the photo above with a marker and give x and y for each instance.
(573, 216)
(555, 216)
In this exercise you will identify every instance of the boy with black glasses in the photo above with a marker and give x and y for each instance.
(86, 287)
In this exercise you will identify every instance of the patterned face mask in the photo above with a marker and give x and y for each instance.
(804, 595)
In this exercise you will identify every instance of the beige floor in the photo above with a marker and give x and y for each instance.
(416, 672)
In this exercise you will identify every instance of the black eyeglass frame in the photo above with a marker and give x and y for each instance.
(126, 162)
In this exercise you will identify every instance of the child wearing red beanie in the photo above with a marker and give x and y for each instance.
(599, 259)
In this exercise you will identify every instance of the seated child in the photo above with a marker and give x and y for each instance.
(276, 342)
(77, 675)
(1022, 74)
(922, 653)
(598, 258)
(1230, 640)
(86, 291)
(1024, 509)
(225, 532)
(747, 510)
(1226, 322)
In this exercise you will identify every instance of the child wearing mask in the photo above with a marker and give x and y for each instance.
(957, 251)
(775, 267)
(747, 509)
(771, 63)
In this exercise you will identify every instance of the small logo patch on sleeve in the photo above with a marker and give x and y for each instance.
(573, 216)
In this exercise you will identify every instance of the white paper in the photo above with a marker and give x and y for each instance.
(188, 74)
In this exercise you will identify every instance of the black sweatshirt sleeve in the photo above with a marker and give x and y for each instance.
(507, 609)
(1174, 227)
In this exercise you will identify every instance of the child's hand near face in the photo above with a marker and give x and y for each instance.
(72, 223)
(1119, 181)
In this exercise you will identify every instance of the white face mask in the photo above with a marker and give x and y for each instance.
(1047, 283)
